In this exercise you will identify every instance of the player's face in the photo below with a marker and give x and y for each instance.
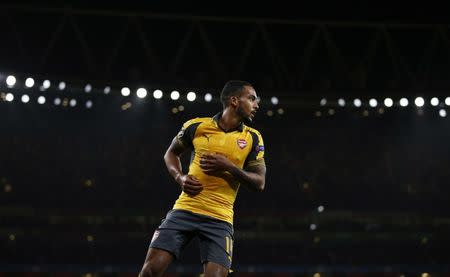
(248, 104)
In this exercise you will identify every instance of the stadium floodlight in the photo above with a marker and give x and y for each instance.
(357, 102)
(419, 101)
(341, 102)
(174, 95)
(125, 91)
(10, 81)
(404, 102)
(447, 101)
(46, 84)
(274, 100)
(88, 88)
(62, 85)
(373, 102)
(9, 97)
(29, 82)
(89, 104)
(191, 96)
(323, 102)
(388, 102)
(25, 98)
(442, 113)
(141, 92)
(107, 90)
(41, 100)
(157, 94)
(208, 97)
(434, 101)
(73, 102)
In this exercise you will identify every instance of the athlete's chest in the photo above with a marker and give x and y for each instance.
(234, 145)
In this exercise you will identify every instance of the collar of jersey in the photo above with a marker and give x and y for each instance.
(217, 117)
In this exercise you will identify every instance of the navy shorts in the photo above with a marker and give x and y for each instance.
(180, 226)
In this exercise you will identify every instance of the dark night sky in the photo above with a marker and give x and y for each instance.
(366, 11)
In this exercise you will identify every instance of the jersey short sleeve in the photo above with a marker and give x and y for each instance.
(256, 154)
(187, 132)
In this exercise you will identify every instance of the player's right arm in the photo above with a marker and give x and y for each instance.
(180, 144)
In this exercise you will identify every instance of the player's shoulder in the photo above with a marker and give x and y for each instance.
(252, 130)
(196, 120)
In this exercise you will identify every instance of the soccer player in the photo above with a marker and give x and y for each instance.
(225, 153)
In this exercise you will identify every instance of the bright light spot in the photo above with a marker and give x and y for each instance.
(320, 209)
(174, 95)
(11, 80)
(9, 97)
(388, 102)
(88, 88)
(434, 101)
(280, 111)
(425, 274)
(419, 101)
(46, 84)
(73, 102)
(316, 275)
(191, 96)
(357, 102)
(89, 104)
(447, 101)
(269, 113)
(62, 86)
(141, 92)
(181, 108)
(41, 100)
(373, 102)
(313, 227)
(125, 91)
(25, 98)
(404, 102)
(274, 100)
(208, 97)
(107, 90)
(341, 102)
(29, 82)
(57, 101)
(323, 102)
(158, 94)
(442, 113)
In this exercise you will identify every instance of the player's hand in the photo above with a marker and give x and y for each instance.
(215, 162)
(190, 184)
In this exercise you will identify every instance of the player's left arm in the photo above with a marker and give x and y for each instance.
(253, 175)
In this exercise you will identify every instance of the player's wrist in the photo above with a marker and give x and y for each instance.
(177, 177)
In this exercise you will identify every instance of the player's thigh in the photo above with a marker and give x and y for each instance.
(214, 270)
(156, 262)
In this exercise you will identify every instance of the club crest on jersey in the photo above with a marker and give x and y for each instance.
(242, 143)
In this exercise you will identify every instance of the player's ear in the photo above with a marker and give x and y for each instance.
(234, 101)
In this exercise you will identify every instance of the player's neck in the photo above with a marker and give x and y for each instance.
(229, 120)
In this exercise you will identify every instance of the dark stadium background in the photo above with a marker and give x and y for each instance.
(350, 191)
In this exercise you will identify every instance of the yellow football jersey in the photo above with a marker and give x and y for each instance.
(242, 146)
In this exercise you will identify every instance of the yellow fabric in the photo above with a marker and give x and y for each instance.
(219, 191)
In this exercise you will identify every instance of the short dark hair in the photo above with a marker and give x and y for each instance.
(232, 88)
